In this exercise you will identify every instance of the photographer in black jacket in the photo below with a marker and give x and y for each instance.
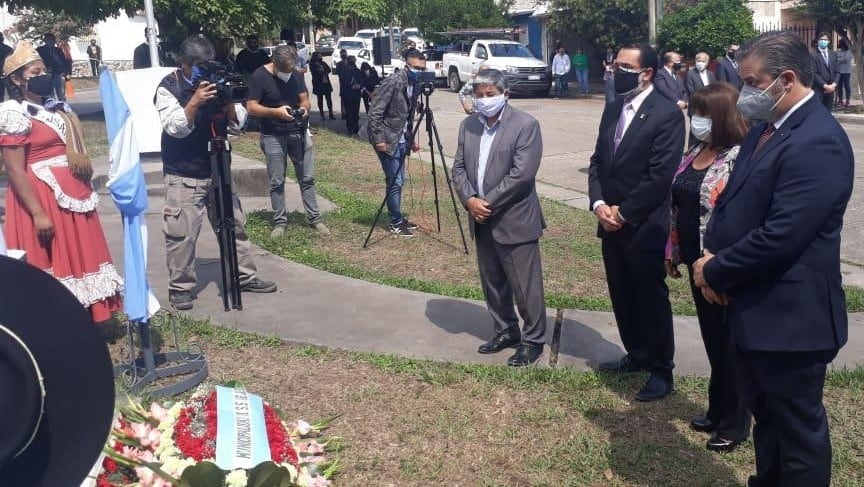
(279, 98)
(188, 106)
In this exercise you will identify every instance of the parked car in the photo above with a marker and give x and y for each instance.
(302, 50)
(325, 45)
(525, 73)
(367, 35)
(366, 55)
(353, 45)
(435, 62)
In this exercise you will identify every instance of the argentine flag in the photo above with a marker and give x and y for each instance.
(129, 192)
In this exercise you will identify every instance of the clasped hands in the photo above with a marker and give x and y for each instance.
(479, 209)
(709, 294)
(609, 217)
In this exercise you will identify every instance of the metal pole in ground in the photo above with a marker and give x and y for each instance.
(151, 33)
(556, 338)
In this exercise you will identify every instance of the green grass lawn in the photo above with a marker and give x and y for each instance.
(348, 173)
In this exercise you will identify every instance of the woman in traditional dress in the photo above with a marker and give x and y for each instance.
(50, 205)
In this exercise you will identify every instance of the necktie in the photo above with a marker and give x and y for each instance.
(825, 57)
(622, 122)
(766, 135)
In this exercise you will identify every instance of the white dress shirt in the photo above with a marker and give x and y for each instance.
(703, 75)
(560, 64)
(798, 105)
(630, 108)
(172, 115)
(485, 146)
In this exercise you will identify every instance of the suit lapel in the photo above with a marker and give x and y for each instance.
(636, 124)
(750, 159)
(499, 134)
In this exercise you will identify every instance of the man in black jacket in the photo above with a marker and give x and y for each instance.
(390, 120)
(639, 146)
(56, 64)
(727, 69)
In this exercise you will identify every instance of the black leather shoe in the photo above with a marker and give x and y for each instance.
(180, 300)
(721, 445)
(702, 424)
(500, 342)
(623, 366)
(527, 354)
(655, 389)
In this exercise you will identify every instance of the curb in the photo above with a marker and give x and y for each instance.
(849, 118)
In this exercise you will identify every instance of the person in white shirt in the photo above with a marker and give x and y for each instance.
(560, 69)
(700, 76)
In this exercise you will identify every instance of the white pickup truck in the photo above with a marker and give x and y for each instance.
(525, 73)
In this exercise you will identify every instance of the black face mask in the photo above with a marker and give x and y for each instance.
(676, 66)
(731, 54)
(40, 85)
(625, 82)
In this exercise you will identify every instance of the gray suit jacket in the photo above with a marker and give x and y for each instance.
(514, 159)
(694, 81)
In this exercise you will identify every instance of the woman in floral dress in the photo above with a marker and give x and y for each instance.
(50, 205)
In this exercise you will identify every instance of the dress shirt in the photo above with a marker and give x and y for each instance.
(630, 109)
(703, 75)
(824, 53)
(172, 115)
(560, 65)
(485, 146)
(798, 105)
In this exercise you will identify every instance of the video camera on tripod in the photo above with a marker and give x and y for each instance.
(230, 86)
(426, 81)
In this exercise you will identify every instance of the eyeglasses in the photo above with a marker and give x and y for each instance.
(417, 68)
(626, 69)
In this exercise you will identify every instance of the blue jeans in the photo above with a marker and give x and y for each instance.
(560, 84)
(582, 77)
(394, 171)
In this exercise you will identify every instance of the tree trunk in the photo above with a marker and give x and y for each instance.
(856, 35)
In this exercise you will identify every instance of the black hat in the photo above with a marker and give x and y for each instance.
(57, 399)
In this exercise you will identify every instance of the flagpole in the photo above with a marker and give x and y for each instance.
(151, 33)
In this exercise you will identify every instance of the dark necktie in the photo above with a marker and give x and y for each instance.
(766, 135)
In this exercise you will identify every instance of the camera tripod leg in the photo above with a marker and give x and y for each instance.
(433, 131)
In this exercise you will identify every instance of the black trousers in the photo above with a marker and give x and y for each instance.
(94, 66)
(321, 98)
(828, 101)
(727, 407)
(352, 113)
(784, 391)
(640, 300)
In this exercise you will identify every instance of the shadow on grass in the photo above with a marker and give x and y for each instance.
(647, 447)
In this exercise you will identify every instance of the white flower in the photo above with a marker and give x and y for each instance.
(237, 478)
(299, 428)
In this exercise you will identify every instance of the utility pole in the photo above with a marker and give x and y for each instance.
(151, 33)
(652, 22)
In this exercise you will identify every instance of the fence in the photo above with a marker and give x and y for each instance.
(806, 32)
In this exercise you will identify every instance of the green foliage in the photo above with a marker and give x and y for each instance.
(204, 474)
(33, 23)
(710, 26)
(602, 23)
(443, 15)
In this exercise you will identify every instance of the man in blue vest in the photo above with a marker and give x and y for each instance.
(186, 109)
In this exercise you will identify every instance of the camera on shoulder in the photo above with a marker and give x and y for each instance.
(230, 86)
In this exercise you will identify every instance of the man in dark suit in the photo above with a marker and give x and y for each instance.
(639, 146)
(699, 77)
(772, 252)
(668, 83)
(496, 161)
(825, 74)
(727, 70)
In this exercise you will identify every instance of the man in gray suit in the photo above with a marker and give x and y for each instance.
(496, 161)
(699, 77)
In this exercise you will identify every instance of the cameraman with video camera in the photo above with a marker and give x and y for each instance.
(279, 98)
(188, 108)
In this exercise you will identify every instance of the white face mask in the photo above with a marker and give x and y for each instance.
(701, 127)
(490, 106)
(283, 76)
(701, 65)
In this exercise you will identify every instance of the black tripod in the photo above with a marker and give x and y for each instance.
(434, 142)
(223, 220)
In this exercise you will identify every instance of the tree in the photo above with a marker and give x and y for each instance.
(444, 15)
(847, 18)
(710, 26)
(33, 23)
(603, 22)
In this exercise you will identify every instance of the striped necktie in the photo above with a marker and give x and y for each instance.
(766, 135)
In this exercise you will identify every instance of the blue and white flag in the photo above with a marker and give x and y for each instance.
(129, 192)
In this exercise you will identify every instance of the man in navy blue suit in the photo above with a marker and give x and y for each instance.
(639, 145)
(772, 251)
(727, 68)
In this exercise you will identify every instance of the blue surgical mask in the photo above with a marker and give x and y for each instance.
(197, 74)
(823, 44)
(701, 127)
(490, 106)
